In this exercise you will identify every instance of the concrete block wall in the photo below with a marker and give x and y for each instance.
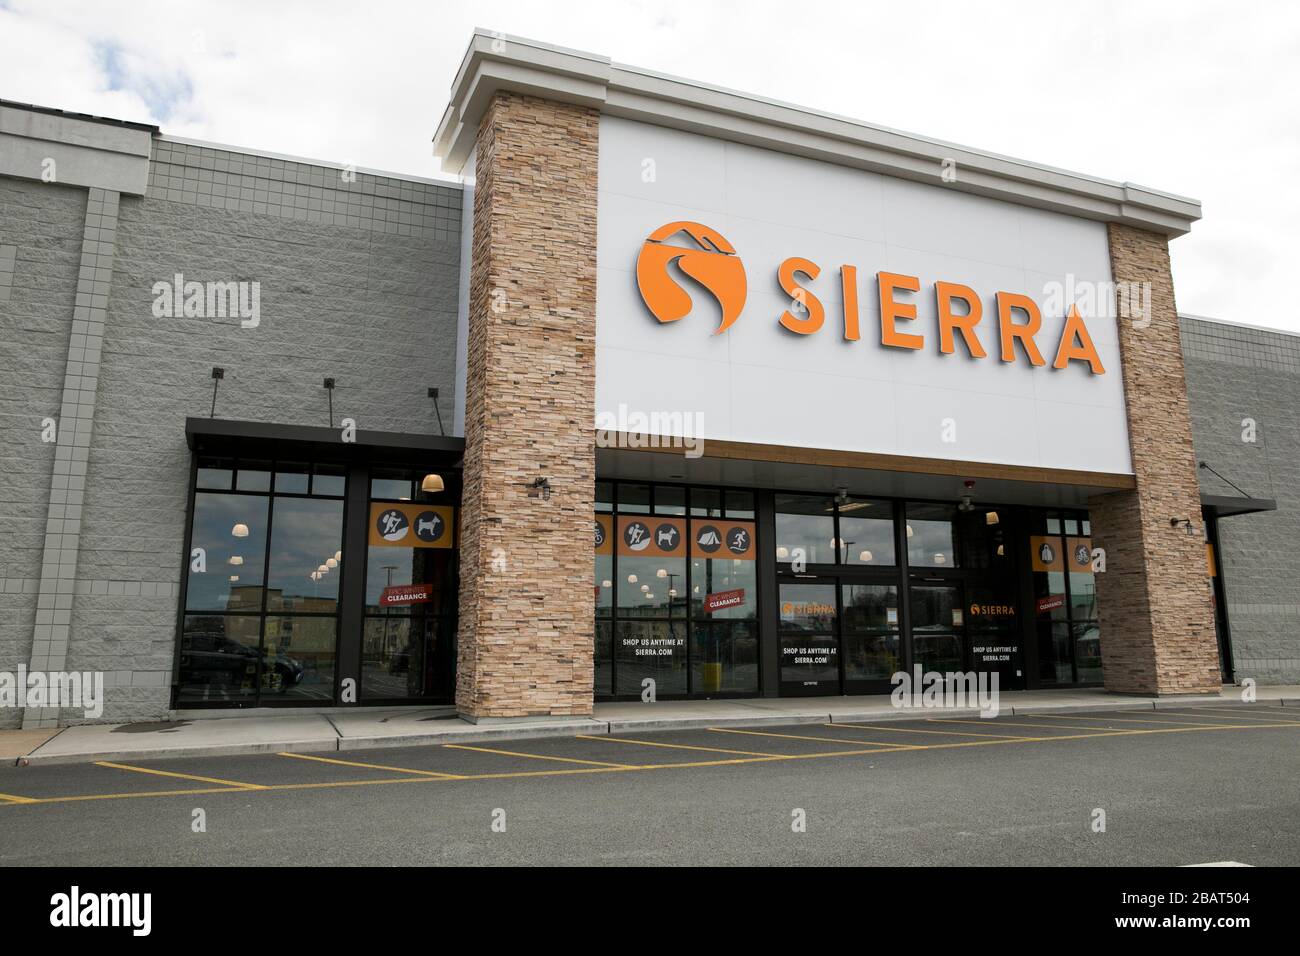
(1235, 373)
(43, 224)
(358, 281)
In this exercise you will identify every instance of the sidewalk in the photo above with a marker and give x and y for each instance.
(362, 729)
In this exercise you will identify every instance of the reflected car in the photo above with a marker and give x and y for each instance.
(216, 659)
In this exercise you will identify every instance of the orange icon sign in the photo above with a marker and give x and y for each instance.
(714, 265)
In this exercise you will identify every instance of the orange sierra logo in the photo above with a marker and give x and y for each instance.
(717, 267)
(713, 265)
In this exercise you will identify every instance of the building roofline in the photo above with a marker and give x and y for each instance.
(1238, 325)
(86, 117)
(499, 62)
(441, 179)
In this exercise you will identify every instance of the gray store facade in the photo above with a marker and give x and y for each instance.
(257, 497)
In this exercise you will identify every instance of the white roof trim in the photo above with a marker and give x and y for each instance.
(497, 61)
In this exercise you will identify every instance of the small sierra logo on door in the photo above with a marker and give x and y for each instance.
(714, 264)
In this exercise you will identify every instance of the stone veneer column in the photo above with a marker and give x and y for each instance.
(1157, 622)
(527, 625)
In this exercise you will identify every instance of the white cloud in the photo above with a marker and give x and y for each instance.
(1194, 99)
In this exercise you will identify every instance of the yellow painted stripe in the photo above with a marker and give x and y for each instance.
(13, 798)
(181, 776)
(371, 766)
(514, 753)
(1021, 723)
(655, 743)
(977, 723)
(916, 730)
(1226, 715)
(1120, 720)
(833, 740)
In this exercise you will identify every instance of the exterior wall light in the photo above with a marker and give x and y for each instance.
(431, 484)
(540, 488)
(240, 530)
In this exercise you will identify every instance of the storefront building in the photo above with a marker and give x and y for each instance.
(666, 391)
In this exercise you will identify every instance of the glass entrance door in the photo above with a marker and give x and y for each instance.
(808, 629)
(938, 620)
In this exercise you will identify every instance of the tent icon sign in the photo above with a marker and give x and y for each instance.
(710, 537)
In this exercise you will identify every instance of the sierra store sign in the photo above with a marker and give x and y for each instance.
(792, 302)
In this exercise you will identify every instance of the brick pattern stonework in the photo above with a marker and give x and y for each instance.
(526, 612)
(1157, 621)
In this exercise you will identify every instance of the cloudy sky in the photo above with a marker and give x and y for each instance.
(1192, 98)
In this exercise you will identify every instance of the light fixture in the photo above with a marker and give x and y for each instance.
(782, 553)
(631, 579)
(240, 530)
(236, 559)
(672, 592)
(661, 573)
(696, 589)
(645, 587)
(331, 562)
(966, 497)
(990, 517)
(649, 596)
(909, 531)
(865, 557)
(234, 578)
(939, 558)
(1002, 550)
(323, 569)
(338, 555)
(607, 583)
(431, 484)
(540, 488)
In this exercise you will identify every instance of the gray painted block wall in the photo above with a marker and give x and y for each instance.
(358, 281)
(1233, 374)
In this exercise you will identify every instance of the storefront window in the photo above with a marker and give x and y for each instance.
(1065, 600)
(676, 592)
(261, 587)
(866, 532)
(930, 539)
(805, 529)
(408, 639)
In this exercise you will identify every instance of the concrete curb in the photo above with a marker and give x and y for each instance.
(461, 733)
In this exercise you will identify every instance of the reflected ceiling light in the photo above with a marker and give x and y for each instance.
(234, 578)
(236, 559)
(939, 558)
(431, 484)
(1001, 550)
(240, 530)
(607, 583)
(338, 555)
(645, 587)
(323, 569)
(990, 517)
(331, 562)
(661, 573)
(672, 592)
(865, 556)
(783, 553)
(649, 596)
(696, 589)
(631, 579)
(909, 531)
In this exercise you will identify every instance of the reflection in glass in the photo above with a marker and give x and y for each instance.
(805, 524)
(646, 587)
(219, 658)
(231, 578)
(299, 657)
(724, 658)
(930, 536)
(604, 659)
(866, 532)
(651, 648)
(306, 533)
(715, 575)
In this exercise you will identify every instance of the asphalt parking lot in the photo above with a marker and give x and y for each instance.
(1177, 787)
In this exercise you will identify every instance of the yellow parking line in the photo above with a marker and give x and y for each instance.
(182, 776)
(833, 740)
(976, 723)
(514, 753)
(1121, 720)
(655, 743)
(915, 730)
(371, 766)
(1225, 715)
(1009, 723)
(12, 798)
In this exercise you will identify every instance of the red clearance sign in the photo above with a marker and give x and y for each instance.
(720, 600)
(405, 594)
(1050, 603)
